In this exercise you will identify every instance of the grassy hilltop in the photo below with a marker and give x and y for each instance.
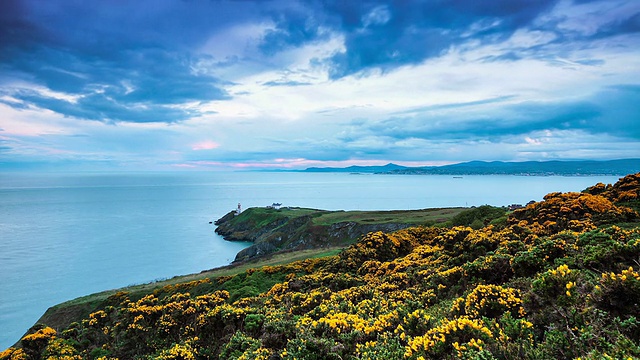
(289, 229)
(558, 279)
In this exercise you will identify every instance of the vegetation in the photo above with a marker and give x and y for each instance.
(289, 229)
(261, 217)
(558, 279)
(480, 217)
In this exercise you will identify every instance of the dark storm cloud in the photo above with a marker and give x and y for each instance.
(16, 30)
(149, 47)
(387, 34)
(127, 61)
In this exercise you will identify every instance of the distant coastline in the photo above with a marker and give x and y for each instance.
(619, 167)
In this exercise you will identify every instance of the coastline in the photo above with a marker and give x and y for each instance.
(140, 229)
(62, 314)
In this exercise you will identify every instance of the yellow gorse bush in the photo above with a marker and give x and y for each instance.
(628, 274)
(449, 332)
(489, 300)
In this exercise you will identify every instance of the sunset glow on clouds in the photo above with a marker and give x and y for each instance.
(288, 84)
(205, 145)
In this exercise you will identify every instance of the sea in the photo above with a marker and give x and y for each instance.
(66, 235)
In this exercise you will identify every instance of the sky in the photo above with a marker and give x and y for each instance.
(242, 85)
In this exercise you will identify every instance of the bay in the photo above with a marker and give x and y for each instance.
(67, 235)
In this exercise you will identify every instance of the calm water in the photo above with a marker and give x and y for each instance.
(64, 236)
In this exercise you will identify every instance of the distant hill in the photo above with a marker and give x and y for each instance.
(359, 169)
(538, 168)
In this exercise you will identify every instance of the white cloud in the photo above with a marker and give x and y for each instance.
(237, 41)
(34, 122)
(588, 17)
(379, 15)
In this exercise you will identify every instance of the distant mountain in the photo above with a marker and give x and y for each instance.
(360, 169)
(538, 168)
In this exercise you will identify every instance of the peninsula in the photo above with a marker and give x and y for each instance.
(274, 230)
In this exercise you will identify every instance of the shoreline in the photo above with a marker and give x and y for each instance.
(58, 314)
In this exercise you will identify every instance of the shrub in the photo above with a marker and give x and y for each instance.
(489, 301)
(619, 293)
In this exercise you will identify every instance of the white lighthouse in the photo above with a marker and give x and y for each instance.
(239, 209)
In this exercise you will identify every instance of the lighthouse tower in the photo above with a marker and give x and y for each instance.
(239, 209)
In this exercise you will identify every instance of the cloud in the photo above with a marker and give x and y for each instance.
(318, 81)
(415, 31)
(608, 111)
(117, 76)
(122, 89)
(205, 145)
(378, 16)
(295, 25)
(382, 35)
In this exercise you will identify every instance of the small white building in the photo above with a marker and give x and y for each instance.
(275, 206)
(239, 209)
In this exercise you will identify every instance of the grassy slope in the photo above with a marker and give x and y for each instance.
(61, 315)
(260, 217)
(424, 216)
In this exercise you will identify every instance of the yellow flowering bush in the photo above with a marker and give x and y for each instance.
(619, 293)
(34, 344)
(442, 338)
(177, 352)
(489, 301)
(13, 354)
(60, 349)
(625, 190)
(556, 285)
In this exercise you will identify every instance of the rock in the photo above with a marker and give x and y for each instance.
(275, 234)
(230, 215)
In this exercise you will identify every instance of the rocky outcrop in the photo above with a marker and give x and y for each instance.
(293, 233)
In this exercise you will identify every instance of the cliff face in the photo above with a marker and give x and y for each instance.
(273, 231)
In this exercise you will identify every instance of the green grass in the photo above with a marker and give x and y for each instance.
(260, 217)
(417, 217)
(275, 259)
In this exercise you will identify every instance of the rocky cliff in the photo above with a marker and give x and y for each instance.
(273, 230)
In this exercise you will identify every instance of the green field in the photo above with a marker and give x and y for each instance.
(260, 217)
(424, 216)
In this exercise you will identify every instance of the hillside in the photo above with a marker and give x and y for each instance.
(289, 229)
(558, 279)
(538, 168)
(358, 169)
